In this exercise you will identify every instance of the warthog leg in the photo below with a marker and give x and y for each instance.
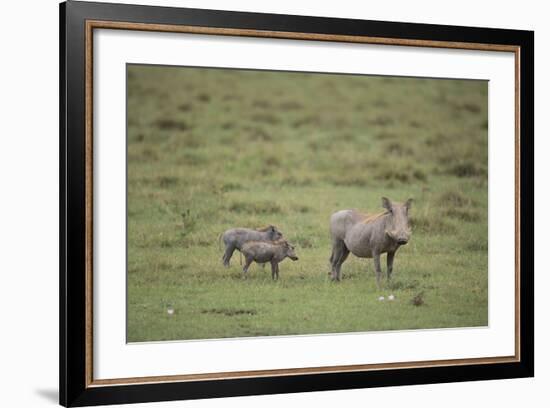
(334, 259)
(227, 255)
(274, 270)
(377, 267)
(247, 263)
(389, 260)
(339, 254)
(345, 254)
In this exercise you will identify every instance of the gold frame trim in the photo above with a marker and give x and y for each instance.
(99, 24)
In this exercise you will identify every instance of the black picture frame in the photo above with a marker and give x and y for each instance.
(75, 389)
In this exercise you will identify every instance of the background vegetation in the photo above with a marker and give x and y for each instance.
(210, 149)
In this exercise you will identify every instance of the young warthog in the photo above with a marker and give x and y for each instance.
(263, 252)
(235, 238)
(369, 235)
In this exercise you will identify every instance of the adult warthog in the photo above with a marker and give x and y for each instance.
(235, 238)
(369, 235)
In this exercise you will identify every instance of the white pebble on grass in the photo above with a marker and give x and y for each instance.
(391, 297)
(381, 298)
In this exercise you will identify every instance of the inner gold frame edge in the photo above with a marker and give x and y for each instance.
(89, 27)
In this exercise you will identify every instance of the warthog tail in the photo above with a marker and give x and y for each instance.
(220, 240)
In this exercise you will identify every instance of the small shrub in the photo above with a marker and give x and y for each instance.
(436, 140)
(466, 169)
(265, 118)
(230, 312)
(382, 120)
(232, 97)
(203, 97)
(345, 137)
(387, 135)
(419, 175)
(272, 161)
(231, 187)
(185, 107)
(147, 154)
(170, 124)
(167, 243)
(191, 141)
(167, 181)
(203, 242)
(302, 209)
(297, 181)
(258, 134)
(476, 245)
(191, 157)
(462, 214)
(403, 285)
(390, 174)
(262, 207)
(470, 107)
(290, 106)
(305, 121)
(303, 242)
(398, 149)
(454, 199)
(350, 180)
(418, 300)
(261, 103)
(433, 224)
(189, 221)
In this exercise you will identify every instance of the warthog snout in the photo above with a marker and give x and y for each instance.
(400, 238)
(290, 253)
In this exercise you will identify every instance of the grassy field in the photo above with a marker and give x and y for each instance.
(211, 149)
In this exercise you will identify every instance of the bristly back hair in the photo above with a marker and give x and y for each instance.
(265, 229)
(374, 217)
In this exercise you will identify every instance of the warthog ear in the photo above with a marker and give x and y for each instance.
(272, 228)
(386, 203)
(408, 203)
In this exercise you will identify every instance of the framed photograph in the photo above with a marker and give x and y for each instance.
(256, 203)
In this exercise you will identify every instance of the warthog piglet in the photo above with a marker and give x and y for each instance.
(263, 252)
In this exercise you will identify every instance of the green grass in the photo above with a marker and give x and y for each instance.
(212, 149)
